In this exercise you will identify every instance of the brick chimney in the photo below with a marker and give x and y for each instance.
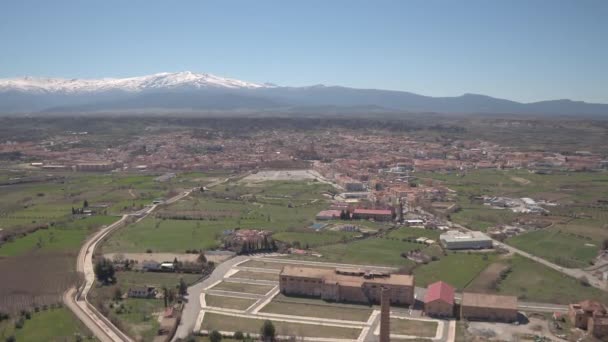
(385, 315)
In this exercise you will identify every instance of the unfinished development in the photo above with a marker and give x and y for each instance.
(346, 285)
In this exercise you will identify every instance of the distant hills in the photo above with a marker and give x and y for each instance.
(202, 92)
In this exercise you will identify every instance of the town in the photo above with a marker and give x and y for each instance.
(305, 230)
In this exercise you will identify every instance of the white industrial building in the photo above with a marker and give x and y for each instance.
(454, 239)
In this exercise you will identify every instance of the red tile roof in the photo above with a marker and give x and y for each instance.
(439, 291)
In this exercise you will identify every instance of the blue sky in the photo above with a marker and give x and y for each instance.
(525, 50)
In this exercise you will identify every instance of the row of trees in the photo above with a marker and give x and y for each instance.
(267, 334)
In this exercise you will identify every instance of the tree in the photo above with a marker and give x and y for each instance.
(117, 293)
(202, 258)
(166, 296)
(268, 332)
(182, 287)
(605, 244)
(85, 204)
(104, 271)
(215, 336)
(238, 335)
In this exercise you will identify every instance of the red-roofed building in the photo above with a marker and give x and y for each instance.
(439, 300)
(378, 215)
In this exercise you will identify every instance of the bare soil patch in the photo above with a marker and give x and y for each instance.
(488, 279)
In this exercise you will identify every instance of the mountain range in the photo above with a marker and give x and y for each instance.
(203, 92)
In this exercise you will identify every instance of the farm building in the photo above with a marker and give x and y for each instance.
(454, 239)
(346, 285)
(328, 215)
(439, 300)
(487, 307)
(142, 292)
(378, 215)
(590, 315)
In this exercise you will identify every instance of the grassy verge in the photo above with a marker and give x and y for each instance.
(284, 306)
(413, 327)
(242, 287)
(228, 302)
(213, 321)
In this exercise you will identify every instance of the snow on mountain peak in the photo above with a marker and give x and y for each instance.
(163, 80)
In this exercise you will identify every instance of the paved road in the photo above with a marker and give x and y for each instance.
(99, 325)
(193, 305)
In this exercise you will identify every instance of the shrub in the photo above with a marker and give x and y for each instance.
(19, 323)
(238, 335)
(215, 336)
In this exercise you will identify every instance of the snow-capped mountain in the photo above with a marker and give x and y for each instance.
(204, 92)
(165, 80)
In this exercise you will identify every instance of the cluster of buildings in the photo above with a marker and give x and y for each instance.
(591, 316)
(346, 285)
(364, 286)
(517, 205)
(355, 157)
(439, 302)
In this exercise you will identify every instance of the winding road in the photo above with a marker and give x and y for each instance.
(76, 299)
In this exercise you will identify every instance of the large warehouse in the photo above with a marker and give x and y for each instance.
(487, 307)
(346, 285)
(455, 239)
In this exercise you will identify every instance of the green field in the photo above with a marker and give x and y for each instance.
(62, 237)
(213, 321)
(228, 302)
(552, 243)
(414, 233)
(532, 281)
(48, 325)
(256, 275)
(128, 279)
(263, 206)
(312, 238)
(457, 269)
(372, 251)
(139, 316)
(242, 287)
(286, 306)
(413, 327)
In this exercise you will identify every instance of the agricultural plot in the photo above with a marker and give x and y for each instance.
(213, 321)
(52, 324)
(579, 221)
(414, 233)
(531, 281)
(372, 251)
(48, 276)
(139, 316)
(313, 238)
(560, 247)
(489, 279)
(41, 234)
(277, 207)
(62, 237)
(129, 279)
(458, 269)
